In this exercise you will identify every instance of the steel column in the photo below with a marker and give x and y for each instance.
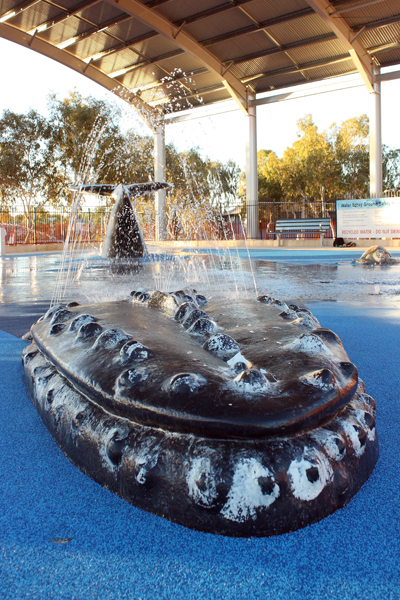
(252, 176)
(160, 175)
(375, 143)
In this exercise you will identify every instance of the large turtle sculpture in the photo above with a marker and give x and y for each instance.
(237, 417)
(242, 418)
(377, 255)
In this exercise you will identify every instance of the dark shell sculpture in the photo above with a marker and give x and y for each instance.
(236, 417)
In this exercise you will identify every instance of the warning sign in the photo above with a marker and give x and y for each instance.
(368, 218)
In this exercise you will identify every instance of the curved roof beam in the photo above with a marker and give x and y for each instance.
(236, 88)
(152, 116)
(345, 34)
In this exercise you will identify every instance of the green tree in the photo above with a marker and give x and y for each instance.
(30, 172)
(87, 135)
(350, 142)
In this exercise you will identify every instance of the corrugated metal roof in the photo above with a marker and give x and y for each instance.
(382, 36)
(252, 44)
(258, 8)
(210, 26)
(368, 14)
(235, 48)
(300, 29)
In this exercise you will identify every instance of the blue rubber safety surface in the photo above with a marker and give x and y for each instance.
(62, 536)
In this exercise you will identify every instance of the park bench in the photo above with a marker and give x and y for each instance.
(302, 228)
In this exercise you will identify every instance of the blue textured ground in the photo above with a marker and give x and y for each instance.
(117, 551)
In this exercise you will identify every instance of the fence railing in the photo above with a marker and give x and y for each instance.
(39, 227)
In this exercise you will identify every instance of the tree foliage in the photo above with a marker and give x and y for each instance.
(82, 142)
(30, 170)
(87, 136)
(324, 165)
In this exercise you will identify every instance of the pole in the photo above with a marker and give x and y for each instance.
(375, 141)
(160, 175)
(252, 176)
(89, 225)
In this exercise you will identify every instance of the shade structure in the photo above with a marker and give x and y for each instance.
(177, 54)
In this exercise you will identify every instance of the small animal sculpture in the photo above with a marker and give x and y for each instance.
(377, 255)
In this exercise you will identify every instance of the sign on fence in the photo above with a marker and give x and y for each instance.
(368, 218)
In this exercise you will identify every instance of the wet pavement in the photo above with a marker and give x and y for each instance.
(29, 283)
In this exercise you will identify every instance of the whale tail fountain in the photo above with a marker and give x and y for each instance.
(124, 238)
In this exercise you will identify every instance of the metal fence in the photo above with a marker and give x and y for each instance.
(39, 227)
(49, 227)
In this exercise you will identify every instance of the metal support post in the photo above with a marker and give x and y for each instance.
(375, 143)
(252, 177)
(2, 242)
(160, 175)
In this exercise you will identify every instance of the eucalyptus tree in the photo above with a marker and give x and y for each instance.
(87, 135)
(31, 173)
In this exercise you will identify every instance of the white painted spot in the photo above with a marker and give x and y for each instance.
(145, 459)
(331, 441)
(245, 495)
(302, 487)
(201, 481)
(349, 427)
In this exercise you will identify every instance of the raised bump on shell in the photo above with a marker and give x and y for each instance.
(193, 316)
(28, 356)
(201, 300)
(52, 310)
(266, 299)
(239, 367)
(131, 377)
(81, 320)
(328, 336)
(184, 310)
(201, 481)
(111, 338)
(247, 494)
(251, 379)
(184, 383)
(57, 328)
(133, 350)
(288, 314)
(89, 330)
(324, 379)
(60, 316)
(310, 343)
(306, 320)
(203, 327)
(115, 447)
(222, 345)
(348, 369)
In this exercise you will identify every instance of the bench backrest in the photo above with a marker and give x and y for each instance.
(303, 224)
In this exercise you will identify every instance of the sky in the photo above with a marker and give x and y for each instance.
(28, 77)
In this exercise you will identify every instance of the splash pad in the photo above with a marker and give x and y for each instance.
(238, 418)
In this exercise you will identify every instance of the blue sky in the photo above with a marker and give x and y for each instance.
(28, 77)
